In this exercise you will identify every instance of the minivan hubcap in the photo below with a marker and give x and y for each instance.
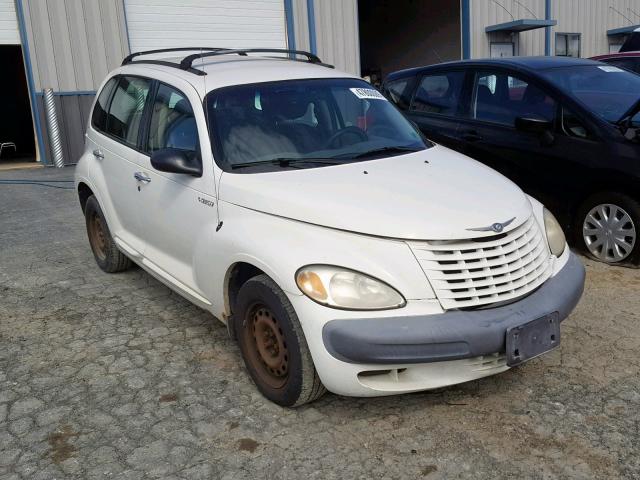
(609, 233)
(270, 354)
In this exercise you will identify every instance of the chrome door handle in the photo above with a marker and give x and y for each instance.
(98, 153)
(141, 177)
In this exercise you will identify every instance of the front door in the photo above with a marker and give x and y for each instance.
(180, 210)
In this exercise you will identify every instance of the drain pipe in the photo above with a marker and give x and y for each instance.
(54, 129)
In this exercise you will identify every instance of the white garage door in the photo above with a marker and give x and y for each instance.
(205, 23)
(9, 33)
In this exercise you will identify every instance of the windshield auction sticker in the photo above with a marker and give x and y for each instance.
(611, 69)
(368, 93)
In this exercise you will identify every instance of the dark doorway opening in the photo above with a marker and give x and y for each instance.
(16, 122)
(397, 34)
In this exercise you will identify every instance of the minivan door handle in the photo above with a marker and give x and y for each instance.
(471, 136)
(98, 153)
(141, 177)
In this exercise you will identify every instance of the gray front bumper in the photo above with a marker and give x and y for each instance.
(452, 335)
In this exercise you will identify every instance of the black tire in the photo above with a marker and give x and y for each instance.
(267, 327)
(630, 205)
(105, 251)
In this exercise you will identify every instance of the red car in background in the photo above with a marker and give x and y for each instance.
(629, 55)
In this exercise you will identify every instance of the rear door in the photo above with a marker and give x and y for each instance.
(114, 141)
(437, 104)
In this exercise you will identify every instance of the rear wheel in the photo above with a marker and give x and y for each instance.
(273, 345)
(105, 251)
(608, 227)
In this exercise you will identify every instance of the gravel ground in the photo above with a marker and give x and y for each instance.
(114, 376)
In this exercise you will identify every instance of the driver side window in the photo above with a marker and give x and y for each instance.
(173, 124)
(572, 126)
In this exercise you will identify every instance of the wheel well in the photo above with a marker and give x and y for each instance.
(84, 192)
(238, 275)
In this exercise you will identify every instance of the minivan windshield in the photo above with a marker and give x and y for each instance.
(304, 124)
(607, 90)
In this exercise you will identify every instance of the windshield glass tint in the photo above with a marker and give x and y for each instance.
(607, 90)
(335, 120)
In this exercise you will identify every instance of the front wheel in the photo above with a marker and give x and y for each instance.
(608, 224)
(273, 345)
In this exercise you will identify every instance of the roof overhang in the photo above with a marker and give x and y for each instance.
(614, 32)
(521, 25)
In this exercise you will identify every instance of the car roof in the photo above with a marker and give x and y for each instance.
(229, 70)
(530, 64)
(617, 55)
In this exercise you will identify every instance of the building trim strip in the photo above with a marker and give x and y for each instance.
(311, 19)
(547, 30)
(465, 18)
(291, 34)
(28, 66)
(70, 93)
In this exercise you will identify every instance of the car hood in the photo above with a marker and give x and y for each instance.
(435, 194)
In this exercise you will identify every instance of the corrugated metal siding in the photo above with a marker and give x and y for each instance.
(74, 43)
(301, 24)
(216, 23)
(9, 33)
(489, 12)
(337, 33)
(592, 18)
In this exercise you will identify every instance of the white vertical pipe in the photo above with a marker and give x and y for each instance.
(54, 129)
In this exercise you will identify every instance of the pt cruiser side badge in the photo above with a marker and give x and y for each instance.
(496, 227)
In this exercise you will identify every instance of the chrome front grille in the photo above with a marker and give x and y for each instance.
(476, 272)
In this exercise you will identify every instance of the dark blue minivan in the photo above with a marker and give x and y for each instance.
(566, 130)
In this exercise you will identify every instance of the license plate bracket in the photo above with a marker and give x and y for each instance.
(532, 339)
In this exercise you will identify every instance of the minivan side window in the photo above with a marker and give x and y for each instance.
(439, 93)
(99, 116)
(173, 124)
(501, 98)
(125, 111)
(396, 91)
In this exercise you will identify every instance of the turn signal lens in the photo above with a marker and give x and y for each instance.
(555, 235)
(311, 285)
(346, 289)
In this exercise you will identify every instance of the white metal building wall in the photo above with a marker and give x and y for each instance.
(489, 12)
(217, 23)
(592, 18)
(9, 33)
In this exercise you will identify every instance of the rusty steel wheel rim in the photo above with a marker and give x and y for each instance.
(267, 346)
(97, 237)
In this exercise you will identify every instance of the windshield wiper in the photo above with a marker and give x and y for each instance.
(629, 113)
(286, 162)
(384, 150)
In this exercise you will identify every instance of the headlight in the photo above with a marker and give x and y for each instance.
(555, 235)
(342, 288)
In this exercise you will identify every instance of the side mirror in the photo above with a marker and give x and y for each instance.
(533, 124)
(172, 160)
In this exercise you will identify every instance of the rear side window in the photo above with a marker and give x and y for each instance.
(125, 111)
(173, 124)
(398, 93)
(99, 116)
(439, 93)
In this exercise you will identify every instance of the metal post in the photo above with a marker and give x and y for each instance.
(54, 129)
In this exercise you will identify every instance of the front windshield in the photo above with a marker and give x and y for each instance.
(305, 123)
(607, 90)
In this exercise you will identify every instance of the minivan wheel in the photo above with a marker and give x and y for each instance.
(105, 251)
(273, 345)
(609, 224)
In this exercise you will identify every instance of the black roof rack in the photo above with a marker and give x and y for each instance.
(186, 63)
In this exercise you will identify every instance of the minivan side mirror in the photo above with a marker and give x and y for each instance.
(173, 160)
(533, 124)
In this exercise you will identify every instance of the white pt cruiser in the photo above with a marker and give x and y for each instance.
(343, 250)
